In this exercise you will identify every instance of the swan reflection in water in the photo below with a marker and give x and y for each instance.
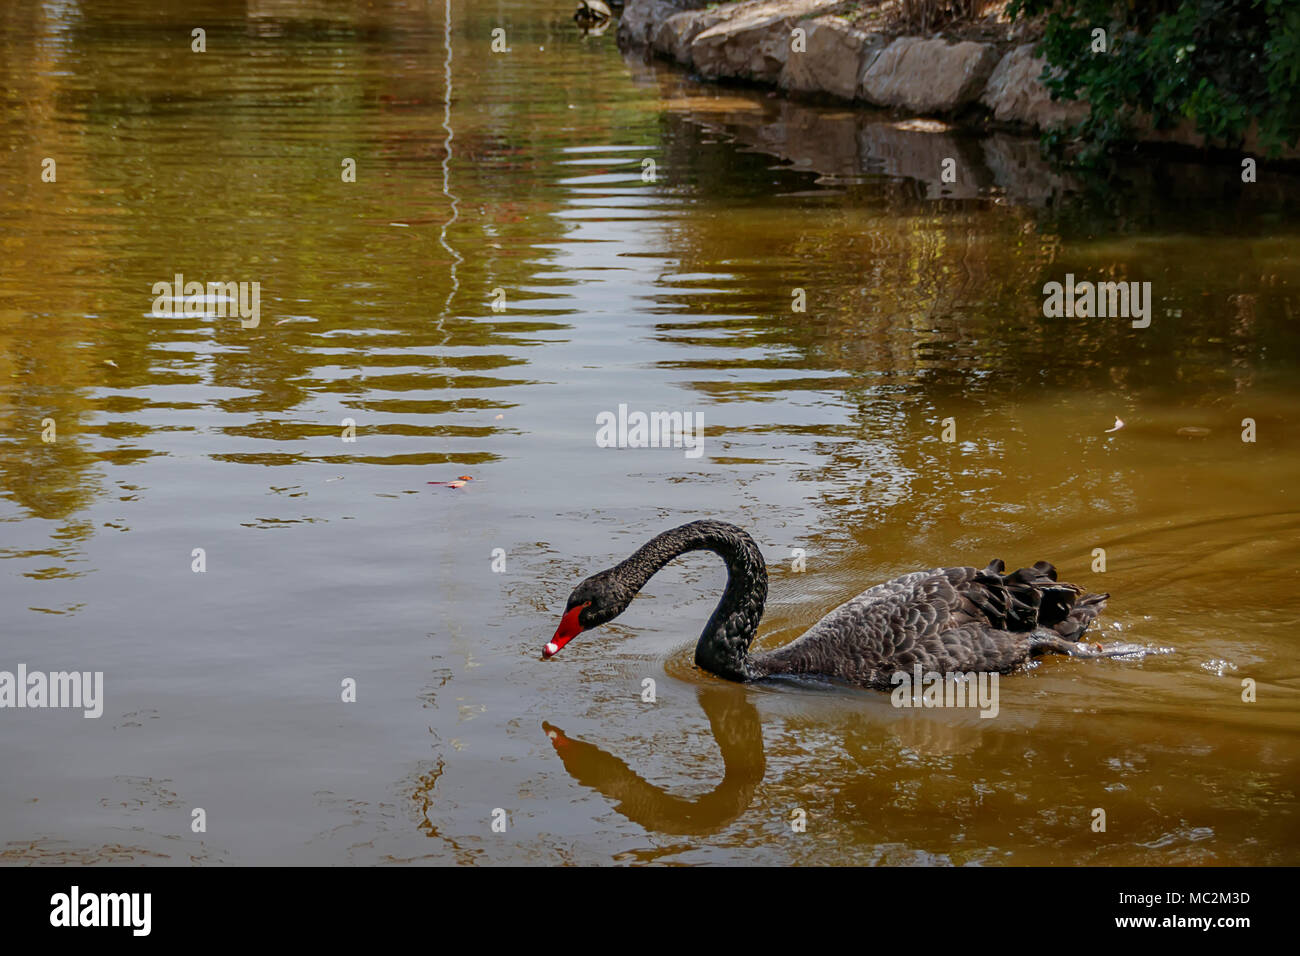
(736, 727)
(876, 742)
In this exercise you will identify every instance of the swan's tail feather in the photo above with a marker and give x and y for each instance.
(1081, 613)
(1032, 599)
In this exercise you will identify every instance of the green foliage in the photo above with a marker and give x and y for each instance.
(1227, 65)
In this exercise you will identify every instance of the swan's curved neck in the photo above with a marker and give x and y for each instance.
(723, 648)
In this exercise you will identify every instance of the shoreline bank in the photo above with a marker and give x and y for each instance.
(806, 49)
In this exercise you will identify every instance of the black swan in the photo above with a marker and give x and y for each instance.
(949, 620)
(592, 12)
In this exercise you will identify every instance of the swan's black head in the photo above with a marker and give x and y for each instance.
(600, 598)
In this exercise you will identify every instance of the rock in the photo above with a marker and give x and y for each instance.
(674, 35)
(640, 18)
(1185, 133)
(1014, 93)
(1252, 144)
(833, 59)
(753, 41)
(928, 76)
(1182, 133)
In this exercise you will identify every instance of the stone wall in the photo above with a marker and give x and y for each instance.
(755, 40)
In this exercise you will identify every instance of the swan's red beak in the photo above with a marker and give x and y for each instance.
(569, 629)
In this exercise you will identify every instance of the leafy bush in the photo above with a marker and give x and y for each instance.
(1227, 65)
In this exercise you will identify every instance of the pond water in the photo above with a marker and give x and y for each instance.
(520, 180)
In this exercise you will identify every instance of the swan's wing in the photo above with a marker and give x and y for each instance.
(946, 620)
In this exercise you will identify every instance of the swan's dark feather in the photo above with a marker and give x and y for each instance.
(947, 620)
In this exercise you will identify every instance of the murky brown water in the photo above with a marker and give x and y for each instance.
(329, 560)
